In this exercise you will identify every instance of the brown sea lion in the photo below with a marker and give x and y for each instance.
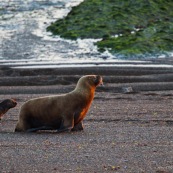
(5, 105)
(59, 112)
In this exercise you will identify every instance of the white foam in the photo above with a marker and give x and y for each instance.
(92, 65)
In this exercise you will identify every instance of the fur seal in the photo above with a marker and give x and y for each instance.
(5, 105)
(59, 112)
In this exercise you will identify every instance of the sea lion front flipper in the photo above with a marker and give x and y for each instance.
(78, 127)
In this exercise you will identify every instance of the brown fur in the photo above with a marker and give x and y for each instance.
(5, 105)
(61, 112)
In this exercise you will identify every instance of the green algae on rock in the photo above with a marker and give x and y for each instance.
(127, 27)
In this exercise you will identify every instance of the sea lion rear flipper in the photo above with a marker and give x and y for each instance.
(40, 128)
(67, 124)
(67, 129)
(78, 127)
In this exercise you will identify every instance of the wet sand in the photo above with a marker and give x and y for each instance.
(128, 129)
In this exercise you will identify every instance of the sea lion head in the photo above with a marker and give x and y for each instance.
(90, 81)
(8, 103)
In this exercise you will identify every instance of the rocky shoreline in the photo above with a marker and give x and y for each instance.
(140, 78)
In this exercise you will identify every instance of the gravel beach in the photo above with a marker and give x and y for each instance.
(128, 128)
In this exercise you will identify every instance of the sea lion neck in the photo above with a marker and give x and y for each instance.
(86, 92)
(84, 88)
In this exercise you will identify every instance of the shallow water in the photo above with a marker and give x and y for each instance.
(25, 42)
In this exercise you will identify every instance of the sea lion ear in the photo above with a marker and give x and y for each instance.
(14, 100)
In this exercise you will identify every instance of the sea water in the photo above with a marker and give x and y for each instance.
(24, 42)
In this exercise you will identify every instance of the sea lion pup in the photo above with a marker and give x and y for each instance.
(59, 112)
(5, 105)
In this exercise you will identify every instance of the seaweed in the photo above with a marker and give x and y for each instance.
(126, 27)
